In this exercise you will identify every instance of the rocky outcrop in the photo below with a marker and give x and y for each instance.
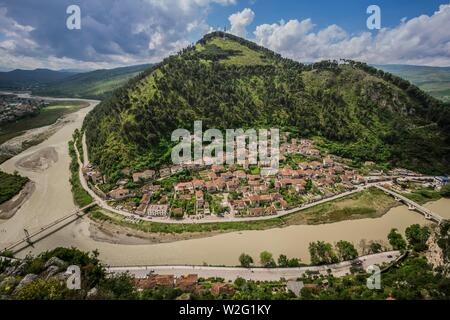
(55, 261)
(26, 280)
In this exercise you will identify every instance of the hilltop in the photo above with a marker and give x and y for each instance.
(354, 110)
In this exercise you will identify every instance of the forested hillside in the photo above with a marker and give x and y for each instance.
(360, 112)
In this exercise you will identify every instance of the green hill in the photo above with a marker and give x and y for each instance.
(434, 80)
(360, 112)
(96, 84)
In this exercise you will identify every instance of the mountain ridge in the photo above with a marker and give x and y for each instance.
(20, 78)
(96, 84)
(433, 80)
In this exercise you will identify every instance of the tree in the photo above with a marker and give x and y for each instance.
(283, 261)
(375, 247)
(239, 282)
(346, 250)
(417, 237)
(118, 287)
(322, 253)
(308, 185)
(445, 191)
(266, 259)
(245, 260)
(294, 263)
(443, 240)
(396, 240)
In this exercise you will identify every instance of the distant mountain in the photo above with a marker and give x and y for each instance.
(354, 110)
(75, 70)
(434, 80)
(26, 79)
(95, 84)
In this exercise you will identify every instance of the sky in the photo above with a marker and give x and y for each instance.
(34, 34)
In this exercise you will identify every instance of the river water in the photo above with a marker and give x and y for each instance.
(53, 199)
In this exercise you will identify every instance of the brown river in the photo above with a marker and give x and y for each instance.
(52, 199)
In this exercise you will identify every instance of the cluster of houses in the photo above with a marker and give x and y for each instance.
(241, 192)
(403, 173)
(186, 283)
(13, 108)
(303, 146)
(258, 195)
(190, 283)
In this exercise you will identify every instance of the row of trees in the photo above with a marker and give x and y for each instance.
(267, 261)
(323, 253)
(416, 238)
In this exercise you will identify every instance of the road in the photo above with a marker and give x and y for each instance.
(261, 274)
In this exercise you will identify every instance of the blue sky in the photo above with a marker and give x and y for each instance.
(116, 33)
(349, 14)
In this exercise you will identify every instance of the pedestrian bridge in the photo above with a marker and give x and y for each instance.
(427, 213)
(45, 231)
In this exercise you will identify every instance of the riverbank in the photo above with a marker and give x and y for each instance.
(10, 207)
(25, 133)
(53, 199)
(115, 228)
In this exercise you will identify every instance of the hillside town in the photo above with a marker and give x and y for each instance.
(13, 108)
(198, 191)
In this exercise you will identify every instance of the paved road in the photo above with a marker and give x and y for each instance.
(261, 274)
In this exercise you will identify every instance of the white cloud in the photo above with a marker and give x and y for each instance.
(113, 33)
(142, 31)
(421, 40)
(240, 20)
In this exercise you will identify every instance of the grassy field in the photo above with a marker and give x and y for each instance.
(423, 195)
(246, 56)
(80, 196)
(10, 185)
(47, 116)
(368, 204)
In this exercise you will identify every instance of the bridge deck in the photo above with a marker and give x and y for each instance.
(28, 238)
(425, 211)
